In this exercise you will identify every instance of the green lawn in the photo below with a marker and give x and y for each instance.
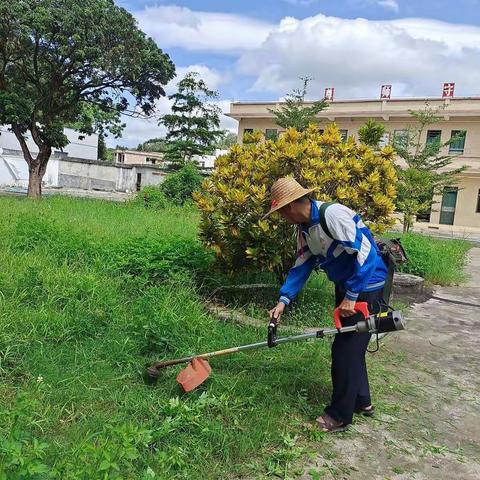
(91, 292)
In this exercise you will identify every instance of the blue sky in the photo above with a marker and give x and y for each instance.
(256, 50)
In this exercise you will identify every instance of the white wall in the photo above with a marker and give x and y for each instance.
(14, 171)
(208, 161)
(85, 148)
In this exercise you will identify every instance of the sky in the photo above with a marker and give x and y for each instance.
(256, 50)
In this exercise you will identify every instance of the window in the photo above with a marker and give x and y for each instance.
(151, 160)
(457, 141)
(433, 136)
(271, 134)
(247, 130)
(344, 135)
(120, 157)
(478, 202)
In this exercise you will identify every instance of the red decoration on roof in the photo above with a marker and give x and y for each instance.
(329, 93)
(448, 89)
(386, 91)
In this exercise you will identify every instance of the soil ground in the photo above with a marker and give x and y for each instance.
(427, 424)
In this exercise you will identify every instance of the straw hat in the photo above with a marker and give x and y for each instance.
(284, 191)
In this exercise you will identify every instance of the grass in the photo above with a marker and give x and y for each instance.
(80, 316)
(439, 261)
(91, 292)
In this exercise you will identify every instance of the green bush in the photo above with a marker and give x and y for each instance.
(151, 197)
(178, 187)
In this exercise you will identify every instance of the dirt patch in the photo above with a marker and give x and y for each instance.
(426, 384)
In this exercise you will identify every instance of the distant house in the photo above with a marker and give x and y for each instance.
(208, 161)
(134, 157)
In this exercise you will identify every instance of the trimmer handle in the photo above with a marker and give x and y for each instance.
(272, 332)
(361, 307)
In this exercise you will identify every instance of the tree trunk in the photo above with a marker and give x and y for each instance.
(34, 182)
(36, 172)
(36, 166)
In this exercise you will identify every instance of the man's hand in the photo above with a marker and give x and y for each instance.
(277, 311)
(347, 308)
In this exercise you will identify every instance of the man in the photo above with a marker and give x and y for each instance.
(342, 246)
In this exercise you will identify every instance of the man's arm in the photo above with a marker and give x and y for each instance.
(297, 276)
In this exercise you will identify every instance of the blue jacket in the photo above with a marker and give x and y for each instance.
(350, 259)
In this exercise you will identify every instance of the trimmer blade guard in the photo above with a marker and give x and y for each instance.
(194, 375)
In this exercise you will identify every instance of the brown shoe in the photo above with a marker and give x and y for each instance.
(329, 425)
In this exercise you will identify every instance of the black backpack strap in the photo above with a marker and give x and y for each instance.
(323, 222)
(387, 289)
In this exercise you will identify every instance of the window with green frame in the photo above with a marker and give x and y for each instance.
(343, 134)
(271, 133)
(457, 144)
(478, 202)
(433, 136)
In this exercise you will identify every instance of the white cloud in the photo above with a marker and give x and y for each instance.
(211, 77)
(173, 26)
(357, 55)
(389, 5)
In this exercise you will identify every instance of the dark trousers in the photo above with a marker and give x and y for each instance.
(349, 370)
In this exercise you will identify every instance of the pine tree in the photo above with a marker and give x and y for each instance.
(193, 125)
(294, 113)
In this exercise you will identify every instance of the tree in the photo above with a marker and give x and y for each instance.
(65, 62)
(227, 140)
(294, 113)
(235, 198)
(426, 167)
(102, 148)
(153, 145)
(371, 133)
(193, 125)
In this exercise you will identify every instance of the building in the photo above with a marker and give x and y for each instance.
(14, 168)
(134, 157)
(459, 205)
(207, 162)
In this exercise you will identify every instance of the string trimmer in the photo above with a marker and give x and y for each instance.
(199, 369)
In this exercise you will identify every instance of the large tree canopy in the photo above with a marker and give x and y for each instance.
(73, 62)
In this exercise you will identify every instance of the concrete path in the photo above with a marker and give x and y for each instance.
(426, 386)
